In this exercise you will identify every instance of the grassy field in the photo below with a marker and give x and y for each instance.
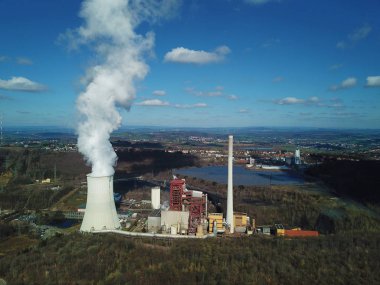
(71, 201)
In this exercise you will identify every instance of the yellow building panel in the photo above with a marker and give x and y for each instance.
(240, 219)
(218, 217)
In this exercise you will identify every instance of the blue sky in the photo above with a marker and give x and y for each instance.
(214, 64)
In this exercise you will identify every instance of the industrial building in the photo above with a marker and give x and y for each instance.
(187, 210)
(154, 221)
(216, 223)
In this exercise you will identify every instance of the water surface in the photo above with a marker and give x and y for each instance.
(242, 176)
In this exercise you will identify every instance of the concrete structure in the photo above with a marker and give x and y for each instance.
(230, 197)
(175, 218)
(156, 198)
(154, 221)
(163, 236)
(100, 211)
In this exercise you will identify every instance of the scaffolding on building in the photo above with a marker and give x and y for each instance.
(194, 202)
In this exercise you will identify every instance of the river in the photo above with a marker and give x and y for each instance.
(242, 176)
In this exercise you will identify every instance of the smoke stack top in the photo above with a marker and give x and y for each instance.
(109, 29)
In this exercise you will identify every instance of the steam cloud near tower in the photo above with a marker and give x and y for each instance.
(109, 28)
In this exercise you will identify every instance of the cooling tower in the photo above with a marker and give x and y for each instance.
(100, 211)
(230, 197)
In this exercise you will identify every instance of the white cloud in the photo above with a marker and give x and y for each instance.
(215, 93)
(184, 55)
(373, 81)
(259, 2)
(360, 33)
(289, 101)
(243, 111)
(160, 103)
(21, 84)
(312, 101)
(333, 103)
(345, 84)
(200, 105)
(187, 106)
(24, 61)
(349, 82)
(159, 92)
(356, 36)
(153, 102)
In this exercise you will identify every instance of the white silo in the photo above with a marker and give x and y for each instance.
(230, 197)
(156, 198)
(297, 157)
(100, 211)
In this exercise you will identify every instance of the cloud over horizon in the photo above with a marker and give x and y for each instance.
(159, 92)
(335, 103)
(21, 84)
(185, 55)
(289, 101)
(373, 81)
(217, 92)
(345, 84)
(160, 103)
(190, 106)
(153, 102)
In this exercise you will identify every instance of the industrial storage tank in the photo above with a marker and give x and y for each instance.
(155, 197)
(173, 229)
(100, 213)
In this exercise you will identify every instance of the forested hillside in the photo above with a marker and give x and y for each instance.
(351, 258)
(357, 179)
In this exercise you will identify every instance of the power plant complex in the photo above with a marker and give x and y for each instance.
(187, 213)
(185, 216)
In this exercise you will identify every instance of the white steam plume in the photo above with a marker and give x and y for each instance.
(109, 28)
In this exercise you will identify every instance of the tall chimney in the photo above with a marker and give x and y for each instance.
(100, 211)
(230, 198)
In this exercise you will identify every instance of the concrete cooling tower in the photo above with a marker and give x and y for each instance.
(100, 211)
